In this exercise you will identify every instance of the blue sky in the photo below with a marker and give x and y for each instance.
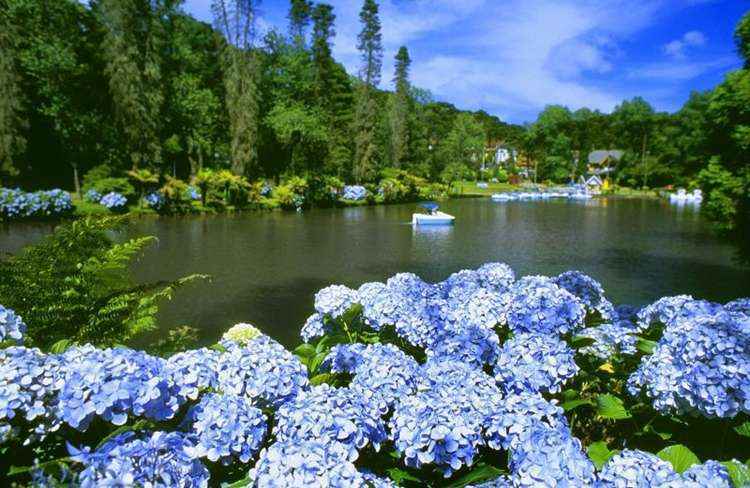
(513, 57)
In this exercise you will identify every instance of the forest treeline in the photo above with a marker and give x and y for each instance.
(140, 84)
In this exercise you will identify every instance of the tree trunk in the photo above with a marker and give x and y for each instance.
(76, 180)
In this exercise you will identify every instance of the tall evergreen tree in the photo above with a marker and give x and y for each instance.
(299, 20)
(12, 142)
(400, 109)
(133, 47)
(236, 20)
(370, 46)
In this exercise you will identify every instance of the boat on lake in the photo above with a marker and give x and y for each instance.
(432, 216)
(682, 196)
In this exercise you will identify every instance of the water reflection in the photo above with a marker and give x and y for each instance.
(266, 267)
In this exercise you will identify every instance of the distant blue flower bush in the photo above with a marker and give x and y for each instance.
(114, 201)
(92, 196)
(155, 200)
(480, 378)
(20, 205)
(354, 192)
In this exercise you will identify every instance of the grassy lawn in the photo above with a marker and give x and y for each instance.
(469, 188)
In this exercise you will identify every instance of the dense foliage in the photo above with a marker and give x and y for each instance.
(479, 380)
(136, 86)
(75, 286)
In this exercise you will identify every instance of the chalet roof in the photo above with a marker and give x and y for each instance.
(600, 156)
(594, 181)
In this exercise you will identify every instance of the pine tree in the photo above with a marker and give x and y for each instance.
(12, 143)
(371, 51)
(400, 109)
(236, 20)
(299, 20)
(133, 48)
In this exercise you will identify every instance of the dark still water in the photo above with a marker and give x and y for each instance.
(267, 266)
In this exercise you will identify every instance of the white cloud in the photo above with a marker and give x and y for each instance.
(515, 57)
(679, 71)
(678, 47)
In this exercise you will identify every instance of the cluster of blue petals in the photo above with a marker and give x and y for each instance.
(465, 368)
(155, 200)
(17, 205)
(261, 370)
(701, 364)
(114, 201)
(226, 427)
(354, 192)
(160, 459)
(12, 327)
(338, 416)
(535, 363)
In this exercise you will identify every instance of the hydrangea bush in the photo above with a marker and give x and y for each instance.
(114, 201)
(479, 380)
(16, 204)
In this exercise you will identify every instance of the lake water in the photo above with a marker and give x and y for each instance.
(266, 267)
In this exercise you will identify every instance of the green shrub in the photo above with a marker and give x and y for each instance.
(323, 191)
(291, 194)
(118, 185)
(75, 285)
(96, 174)
(175, 193)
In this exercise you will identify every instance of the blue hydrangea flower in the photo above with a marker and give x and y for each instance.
(550, 456)
(535, 363)
(225, 427)
(588, 290)
(354, 193)
(610, 339)
(710, 474)
(261, 370)
(113, 384)
(663, 310)
(12, 327)
(158, 460)
(314, 327)
(29, 384)
(473, 345)
(497, 277)
(516, 414)
(700, 365)
(155, 200)
(194, 371)
(539, 306)
(442, 423)
(114, 201)
(430, 429)
(335, 300)
(16, 204)
(337, 416)
(381, 373)
(634, 469)
(295, 463)
(92, 196)
(739, 306)
(479, 308)
(192, 193)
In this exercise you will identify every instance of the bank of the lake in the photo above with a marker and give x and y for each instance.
(267, 265)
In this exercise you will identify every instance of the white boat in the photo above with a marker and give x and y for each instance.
(683, 196)
(432, 217)
(503, 197)
(436, 218)
(580, 196)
